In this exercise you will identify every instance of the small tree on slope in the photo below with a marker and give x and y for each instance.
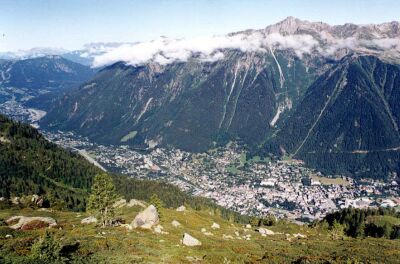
(102, 198)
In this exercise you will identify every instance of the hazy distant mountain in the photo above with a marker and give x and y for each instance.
(83, 56)
(284, 89)
(43, 72)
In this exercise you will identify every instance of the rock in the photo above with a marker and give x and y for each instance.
(126, 226)
(89, 220)
(9, 236)
(15, 200)
(299, 235)
(190, 241)
(120, 203)
(181, 208)
(29, 223)
(34, 198)
(147, 218)
(227, 236)
(2, 199)
(248, 226)
(203, 230)
(175, 223)
(134, 202)
(237, 233)
(264, 231)
(215, 226)
(160, 230)
(208, 234)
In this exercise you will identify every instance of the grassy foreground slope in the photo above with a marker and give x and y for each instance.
(240, 245)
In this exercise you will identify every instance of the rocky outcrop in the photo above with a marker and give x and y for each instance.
(147, 218)
(190, 241)
(89, 220)
(29, 223)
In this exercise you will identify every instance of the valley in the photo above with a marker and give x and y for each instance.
(250, 186)
(199, 132)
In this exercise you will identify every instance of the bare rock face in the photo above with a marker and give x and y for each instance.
(147, 218)
(29, 223)
(89, 220)
(190, 241)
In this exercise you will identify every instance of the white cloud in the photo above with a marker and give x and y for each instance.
(165, 51)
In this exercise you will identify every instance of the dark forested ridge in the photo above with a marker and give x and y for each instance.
(29, 164)
(380, 222)
(348, 121)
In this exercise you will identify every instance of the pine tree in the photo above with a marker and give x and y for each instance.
(156, 201)
(46, 250)
(337, 230)
(102, 198)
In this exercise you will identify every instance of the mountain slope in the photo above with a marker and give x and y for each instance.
(29, 164)
(187, 105)
(43, 72)
(348, 121)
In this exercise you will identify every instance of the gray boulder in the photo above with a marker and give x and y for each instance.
(89, 220)
(181, 208)
(147, 218)
(190, 241)
(23, 222)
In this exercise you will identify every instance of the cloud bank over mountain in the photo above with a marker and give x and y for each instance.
(165, 50)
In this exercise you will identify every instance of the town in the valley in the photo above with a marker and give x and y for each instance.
(249, 185)
(285, 188)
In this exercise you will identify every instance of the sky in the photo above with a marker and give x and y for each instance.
(70, 24)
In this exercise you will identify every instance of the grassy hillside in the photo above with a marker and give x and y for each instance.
(240, 245)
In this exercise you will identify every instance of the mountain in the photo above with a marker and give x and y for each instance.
(188, 105)
(43, 72)
(82, 56)
(348, 120)
(266, 90)
(29, 164)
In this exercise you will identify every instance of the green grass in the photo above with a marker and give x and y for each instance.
(330, 181)
(129, 136)
(381, 220)
(118, 245)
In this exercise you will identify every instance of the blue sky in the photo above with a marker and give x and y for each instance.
(69, 24)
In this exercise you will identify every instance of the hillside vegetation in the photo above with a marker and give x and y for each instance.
(231, 243)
